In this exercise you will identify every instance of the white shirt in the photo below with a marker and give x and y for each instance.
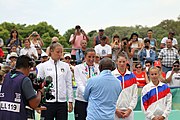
(61, 79)
(174, 41)
(103, 50)
(147, 53)
(82, 73)
(29, 52)
(175, 79)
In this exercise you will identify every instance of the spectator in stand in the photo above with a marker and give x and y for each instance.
(14, 40)
(103, 49)
(168, 55)
(128, 97)
(173, 77)
(1, 45)
(125, 49)
(162, 76)
(76, 39)
(146, 53)
(80, 52)
(39, 51)
(156, 99)
(44, 58)
(97, 39)
(141, 76)
(102, 93)
(1, 50)
(148, 64)
(4, 69)
(28, 50)
(13, 49)
(133, 41)
(153, 41)
(36, 40)
(170, 36)
(115, 46)
(82, 73)
(13, 58)
(96, 60)
(67, 59)
(54, 40)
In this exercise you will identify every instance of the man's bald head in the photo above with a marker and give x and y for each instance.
(106, 64)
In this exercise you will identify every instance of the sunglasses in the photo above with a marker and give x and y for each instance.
(138, 67)
(67, 58)
(176, 65)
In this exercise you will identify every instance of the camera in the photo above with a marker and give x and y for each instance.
(125, 43)
(81, 30)
(39, 83)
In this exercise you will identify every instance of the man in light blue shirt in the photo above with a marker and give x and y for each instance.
(102, 93)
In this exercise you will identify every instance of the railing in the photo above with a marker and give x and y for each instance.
(175, 98)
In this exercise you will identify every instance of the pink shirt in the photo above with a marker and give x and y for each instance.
(77, 42)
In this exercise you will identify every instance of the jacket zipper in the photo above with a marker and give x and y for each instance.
(56, 82)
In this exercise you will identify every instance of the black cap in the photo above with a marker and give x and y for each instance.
(101, 30)
(176, 62)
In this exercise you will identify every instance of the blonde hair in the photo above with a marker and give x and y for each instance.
(153, 68)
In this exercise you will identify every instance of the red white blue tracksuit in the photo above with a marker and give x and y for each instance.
(156, 100)
(128, 97)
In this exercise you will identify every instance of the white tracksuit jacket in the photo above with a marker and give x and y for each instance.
(128, 97)
(62, 79)
(156, 100)
(82, 73)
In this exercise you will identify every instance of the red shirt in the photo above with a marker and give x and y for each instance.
(141, 80)
(164, 75)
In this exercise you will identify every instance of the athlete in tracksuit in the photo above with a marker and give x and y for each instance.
(156, 98)
(128, 97)
(61, 75)
(82, 73)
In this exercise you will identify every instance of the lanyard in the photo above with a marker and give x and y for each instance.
(90, 72)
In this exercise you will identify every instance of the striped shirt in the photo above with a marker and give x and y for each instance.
(168, 56)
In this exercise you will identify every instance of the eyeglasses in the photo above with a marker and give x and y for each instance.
(139, 67)
(67, 58)
(147, 65)
(176, 66)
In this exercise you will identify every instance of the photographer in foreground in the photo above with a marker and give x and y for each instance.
(17, 92)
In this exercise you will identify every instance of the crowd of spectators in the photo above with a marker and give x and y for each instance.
(139, 56)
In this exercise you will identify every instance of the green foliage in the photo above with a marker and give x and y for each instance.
(68, 34)
(47, 31)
